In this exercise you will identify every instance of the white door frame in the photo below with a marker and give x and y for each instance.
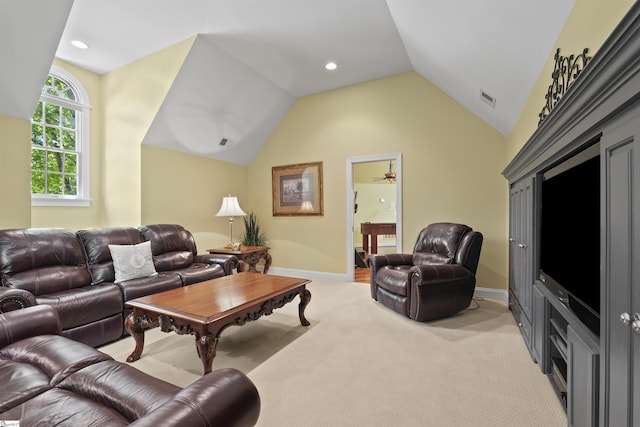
(351, 161)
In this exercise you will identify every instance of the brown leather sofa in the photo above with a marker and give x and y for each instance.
(48, 379)
(73, 272)
(436, 280)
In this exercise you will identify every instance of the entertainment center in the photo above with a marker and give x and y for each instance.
(574, 237)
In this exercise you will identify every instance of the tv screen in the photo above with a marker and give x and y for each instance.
(570, 228)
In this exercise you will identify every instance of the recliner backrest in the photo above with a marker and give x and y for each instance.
(172, 246)
(439, 243)
(42, 260)
(95, 243)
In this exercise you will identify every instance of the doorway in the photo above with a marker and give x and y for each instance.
(378, 200)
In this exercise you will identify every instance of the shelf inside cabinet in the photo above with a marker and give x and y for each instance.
(558, 377)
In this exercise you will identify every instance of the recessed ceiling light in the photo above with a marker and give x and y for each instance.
(79, 44)
(331, 66)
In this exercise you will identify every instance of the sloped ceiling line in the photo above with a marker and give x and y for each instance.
(276, 51)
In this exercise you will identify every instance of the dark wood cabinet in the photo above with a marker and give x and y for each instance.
(595, 370)
(620, 313)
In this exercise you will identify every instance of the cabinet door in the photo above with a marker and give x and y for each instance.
(620, 366)
(540, 332)
(525, 246)
(514, 232)
(582, 380)
(521, 230)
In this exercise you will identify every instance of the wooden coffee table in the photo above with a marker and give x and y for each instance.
(206, 309)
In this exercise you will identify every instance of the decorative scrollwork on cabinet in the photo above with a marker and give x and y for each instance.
(565, 72)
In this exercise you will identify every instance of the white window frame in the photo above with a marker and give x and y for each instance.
(81, 104)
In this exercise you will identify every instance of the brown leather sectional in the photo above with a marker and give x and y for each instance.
(72, 271)
(48, 379)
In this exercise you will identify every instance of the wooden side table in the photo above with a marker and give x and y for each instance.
(247, 254)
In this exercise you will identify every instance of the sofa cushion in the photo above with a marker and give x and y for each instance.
(84, 305)
(394, 279)
(113, 384)
(20, 382)
(56, 356)
(198, 272)
(42, 260)
(428, 258)
(132, 261)
(136, 288)
(62, 408)
(96, 241)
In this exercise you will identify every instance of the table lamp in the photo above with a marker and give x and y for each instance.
(230, 208)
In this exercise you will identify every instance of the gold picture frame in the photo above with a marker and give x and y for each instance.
(297, 189)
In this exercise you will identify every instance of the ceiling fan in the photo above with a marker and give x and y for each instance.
(388, 176)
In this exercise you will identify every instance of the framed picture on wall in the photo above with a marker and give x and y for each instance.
(297, 189)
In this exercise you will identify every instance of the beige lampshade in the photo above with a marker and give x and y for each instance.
(230, 207)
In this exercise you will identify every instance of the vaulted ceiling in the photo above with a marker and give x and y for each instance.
(252, 59)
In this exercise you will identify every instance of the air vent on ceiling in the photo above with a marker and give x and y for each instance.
(488, 98)
(223, 142)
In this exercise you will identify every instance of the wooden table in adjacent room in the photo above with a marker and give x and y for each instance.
(206, 309)
(247, 254)
(374, 229)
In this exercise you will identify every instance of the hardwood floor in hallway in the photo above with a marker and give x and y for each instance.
(362, 275)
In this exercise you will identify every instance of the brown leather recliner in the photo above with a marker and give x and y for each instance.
(436, 280)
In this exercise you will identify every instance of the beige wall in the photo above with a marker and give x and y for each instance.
(191, 194)
(133, 94)
(451, 169)
(15, 172)
(589, 24)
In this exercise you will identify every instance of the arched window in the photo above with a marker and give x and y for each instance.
(60, 143)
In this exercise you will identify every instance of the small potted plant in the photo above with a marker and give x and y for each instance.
(252, 234)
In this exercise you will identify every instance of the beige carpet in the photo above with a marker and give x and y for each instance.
(360, 364)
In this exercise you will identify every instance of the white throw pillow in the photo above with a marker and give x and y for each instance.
(132, 261)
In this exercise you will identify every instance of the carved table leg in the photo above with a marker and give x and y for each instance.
(267, 263)
(305, 297)
(134, 327)
(206, 346)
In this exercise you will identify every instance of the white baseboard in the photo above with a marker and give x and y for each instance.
(488, 293)
(491, 293)
(311, 275)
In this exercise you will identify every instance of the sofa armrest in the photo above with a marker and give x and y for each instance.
(225, 397)
(29, 322)
(227, 262)
(15, 299)
(431, 275)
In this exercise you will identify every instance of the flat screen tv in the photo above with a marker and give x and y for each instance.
(570, 234)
